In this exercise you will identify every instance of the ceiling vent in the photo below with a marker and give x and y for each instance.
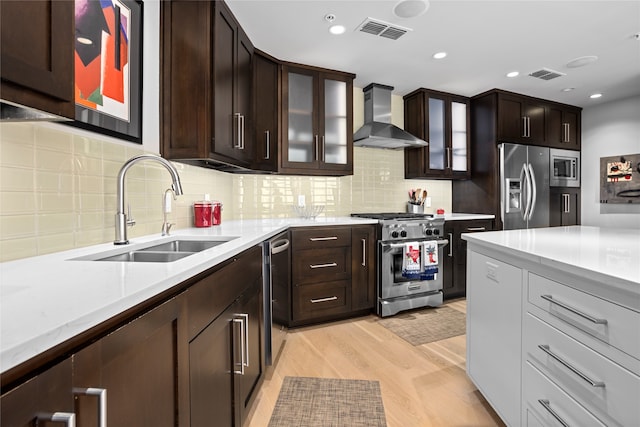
(546, 74)
(382, 29)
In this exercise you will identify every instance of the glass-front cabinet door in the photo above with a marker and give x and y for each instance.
(459, 137)
(318, 126)
(437, 133)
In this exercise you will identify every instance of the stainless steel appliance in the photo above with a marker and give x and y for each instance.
(396, 291)
(564, 168)
(524, 186)
(277, 285)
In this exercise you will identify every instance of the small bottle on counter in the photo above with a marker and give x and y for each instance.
(202, 212)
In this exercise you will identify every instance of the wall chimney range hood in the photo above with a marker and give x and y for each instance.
(377, 130)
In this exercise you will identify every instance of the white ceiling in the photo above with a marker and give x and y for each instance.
(484, 40)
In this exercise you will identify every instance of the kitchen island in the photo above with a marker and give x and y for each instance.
(553, 324)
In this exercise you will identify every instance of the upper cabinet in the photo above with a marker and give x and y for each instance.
(526, 120)
(206, 85)
(441, 119)
(266, 90)
(317, 115)
(37, 45)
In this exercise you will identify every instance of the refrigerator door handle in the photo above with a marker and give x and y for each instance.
(524, 182)
(534, 190)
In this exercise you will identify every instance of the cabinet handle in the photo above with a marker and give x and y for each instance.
(567, 365)
(524, 127)
(476, 229)
(242, 131)
(322, 239)
(101, 393)
(323, 148)
(545, 404)
(448, 158)
(242, 342)
(69, 418)
(528, 127)
(574, 310)
(331, 264)
(364, 252)
(567, 132)
(245, 318)
(450, 254)
(315, 139)
(236, 143)
(267, 135)
(317, 300)
(566, 201)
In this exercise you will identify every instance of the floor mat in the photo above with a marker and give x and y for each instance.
(426, 325)
(328, 402)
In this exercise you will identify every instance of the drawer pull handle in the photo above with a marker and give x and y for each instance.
(101, 394)
(567, 365)
(364, 252)
(545, 404)
(69, 418)
(322, 239)
(317, 300)
(574, 310)
(476, 229)
(331, 264)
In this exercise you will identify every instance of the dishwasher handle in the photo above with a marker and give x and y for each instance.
(279, 246)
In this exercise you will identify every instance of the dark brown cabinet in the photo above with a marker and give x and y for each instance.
(443, 120)
(333, 273)
(225, 351)
(37, 48)
(40, 398)
(455, 259)
(564, 206)
(317, 121)
(521, 119)
(207, 80)
(564, 127)
(136, 366)
(267, 111)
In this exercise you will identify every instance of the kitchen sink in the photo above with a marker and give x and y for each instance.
(169, 251)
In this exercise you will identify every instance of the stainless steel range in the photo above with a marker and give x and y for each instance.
(409, 258)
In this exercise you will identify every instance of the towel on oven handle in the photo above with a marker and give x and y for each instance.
(429, 260)
(411, 260)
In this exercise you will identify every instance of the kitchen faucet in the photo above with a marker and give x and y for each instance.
(121, 217)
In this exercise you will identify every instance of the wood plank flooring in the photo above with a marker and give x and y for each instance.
(422, 386)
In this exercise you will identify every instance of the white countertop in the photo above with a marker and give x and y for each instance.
(607, 255)
(48, 299)
(466, 216)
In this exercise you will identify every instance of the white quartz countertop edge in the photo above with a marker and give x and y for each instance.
(610, 256)
(48, 299)
(466, 216)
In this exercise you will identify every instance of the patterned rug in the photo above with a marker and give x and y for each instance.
(328, 402)
(426, 325)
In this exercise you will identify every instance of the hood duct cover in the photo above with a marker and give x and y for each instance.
(377, 130)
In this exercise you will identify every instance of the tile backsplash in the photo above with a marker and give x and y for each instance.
(58, 189)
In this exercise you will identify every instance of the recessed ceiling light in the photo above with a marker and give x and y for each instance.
(439, 55)
(337, 29)
(84, 40)
(410, 8)
(513, 74)
(595, 95)
(568, 89)
(582, 61)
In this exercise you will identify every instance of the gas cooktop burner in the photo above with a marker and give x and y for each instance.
(393, 215)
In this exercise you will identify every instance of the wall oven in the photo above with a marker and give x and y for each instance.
(397, 288)
(564, 168)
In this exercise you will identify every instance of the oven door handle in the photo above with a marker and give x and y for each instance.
(401, 245)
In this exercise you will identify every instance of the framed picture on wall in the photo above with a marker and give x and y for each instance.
(108, 67)
(620, 179)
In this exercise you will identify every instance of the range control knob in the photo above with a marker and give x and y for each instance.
(403, 233)
(394, 234)
(428, 231)
(436, 232)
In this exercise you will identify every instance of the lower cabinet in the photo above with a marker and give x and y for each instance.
(455, 260)
(225, 355)
(564, 206)
(333, 273)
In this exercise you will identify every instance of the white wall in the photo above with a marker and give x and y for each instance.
(608, 129)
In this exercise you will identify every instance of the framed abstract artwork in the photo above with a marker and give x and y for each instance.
(620, 179)
(108, 67)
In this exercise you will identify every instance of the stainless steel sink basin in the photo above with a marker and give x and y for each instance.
(185, 245)
(141, 256)
(170, 251)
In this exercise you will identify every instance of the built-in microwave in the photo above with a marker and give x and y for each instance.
(564, 168)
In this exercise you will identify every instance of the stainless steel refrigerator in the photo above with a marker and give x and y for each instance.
(524, 186)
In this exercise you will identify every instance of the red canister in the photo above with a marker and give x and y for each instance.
(202, 213)
(217, 213)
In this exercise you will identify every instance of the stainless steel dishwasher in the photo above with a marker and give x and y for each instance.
(277, 290)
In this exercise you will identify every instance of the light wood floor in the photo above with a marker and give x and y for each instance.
(422, 386)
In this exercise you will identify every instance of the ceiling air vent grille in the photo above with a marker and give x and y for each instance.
(546, 74)
(382, 29)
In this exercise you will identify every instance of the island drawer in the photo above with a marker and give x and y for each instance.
(322, 265)
(550, 404)
(608, 322)
(319, 300)
(602, 386)
(321, 237)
